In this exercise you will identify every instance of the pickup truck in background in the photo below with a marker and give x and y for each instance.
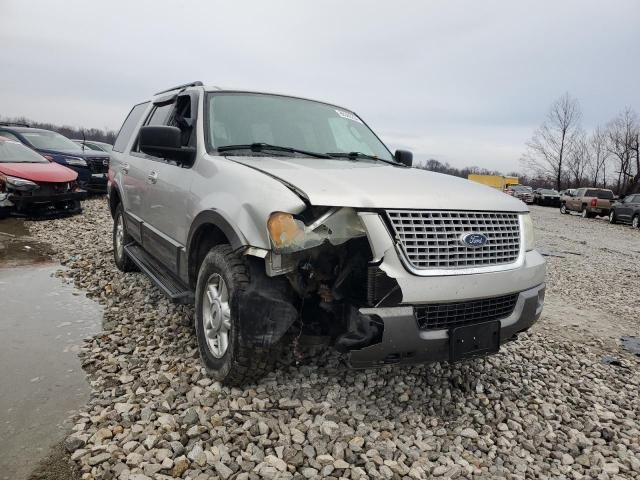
(590, 202)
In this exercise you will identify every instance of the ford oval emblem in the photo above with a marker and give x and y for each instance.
(473, 240)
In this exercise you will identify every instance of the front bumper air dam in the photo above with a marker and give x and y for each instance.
(34, 203)
(404, 343)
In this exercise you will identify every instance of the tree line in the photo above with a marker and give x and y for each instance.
(99, 135)
(564, 155)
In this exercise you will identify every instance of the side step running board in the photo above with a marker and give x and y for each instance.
(163, 278)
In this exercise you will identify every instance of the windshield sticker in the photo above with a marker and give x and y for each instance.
(348, 115)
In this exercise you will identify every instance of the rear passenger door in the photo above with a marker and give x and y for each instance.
(124, 169)
(626, 209)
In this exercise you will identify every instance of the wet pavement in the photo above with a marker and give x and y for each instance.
(42, 323)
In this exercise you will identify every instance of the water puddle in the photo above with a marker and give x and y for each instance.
(42, 323)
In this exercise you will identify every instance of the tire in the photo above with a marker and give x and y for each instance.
(235, 364)
(121, 238)
(563, 209)
(635, 221)
(612, 217)
(584, 213)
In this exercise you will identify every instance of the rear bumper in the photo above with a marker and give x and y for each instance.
(403, 342)
(599, 210)
(553, 202)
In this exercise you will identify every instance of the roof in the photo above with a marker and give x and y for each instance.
(23, 129)
(215, 88)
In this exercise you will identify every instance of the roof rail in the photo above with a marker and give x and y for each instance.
(192, 84)
(14, 124)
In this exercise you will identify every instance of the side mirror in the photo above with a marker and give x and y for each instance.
(165, 142)
(404, 157)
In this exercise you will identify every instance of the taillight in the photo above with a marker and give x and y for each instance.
(594, 202)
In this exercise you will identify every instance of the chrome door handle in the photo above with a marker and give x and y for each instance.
(152, 177)
(124, 168)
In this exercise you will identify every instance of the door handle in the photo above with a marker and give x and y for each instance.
(124, 168)
(152, 177)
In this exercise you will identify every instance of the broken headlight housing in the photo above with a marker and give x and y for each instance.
(20, 183)
(290, 234)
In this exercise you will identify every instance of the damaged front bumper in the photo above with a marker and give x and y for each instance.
(404, 342)
(56, 204)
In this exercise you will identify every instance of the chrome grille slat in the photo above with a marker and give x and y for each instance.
(430, 239)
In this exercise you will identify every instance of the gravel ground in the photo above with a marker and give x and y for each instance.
(545, 407)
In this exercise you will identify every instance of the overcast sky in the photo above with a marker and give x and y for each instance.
(464, 82)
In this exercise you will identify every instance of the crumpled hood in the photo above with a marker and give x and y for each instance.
(371, 184)
(39, 172)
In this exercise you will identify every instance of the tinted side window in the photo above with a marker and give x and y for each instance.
(128, 126)
(160, 115)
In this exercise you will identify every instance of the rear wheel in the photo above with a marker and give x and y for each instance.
(635, 221)
(563, 209)
(612, 216)
(584, 213)
(223, 275)
(120, 239)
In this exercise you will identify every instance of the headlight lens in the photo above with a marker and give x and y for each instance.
(20, 183)
(336, 226)
(284, 230)
(527, 232)
(76, 161)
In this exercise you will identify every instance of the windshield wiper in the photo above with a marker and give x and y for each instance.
(261, 147)
(356, 155)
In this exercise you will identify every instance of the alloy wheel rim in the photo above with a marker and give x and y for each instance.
(611, 217)
(216, 314)
(635, 222)
(119, 237)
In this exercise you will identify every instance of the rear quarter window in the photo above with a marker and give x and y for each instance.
(129, 126)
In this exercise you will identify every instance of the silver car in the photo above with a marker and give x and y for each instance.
(281, 218)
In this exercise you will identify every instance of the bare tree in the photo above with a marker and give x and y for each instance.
(598, 156)
(622, 143)
(578, 158)
(548, 148)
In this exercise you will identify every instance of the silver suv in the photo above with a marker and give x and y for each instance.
(281, 217)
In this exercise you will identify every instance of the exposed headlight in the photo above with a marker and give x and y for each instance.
(20, 183)
(527, 232)
(336, 226)
(76, 161)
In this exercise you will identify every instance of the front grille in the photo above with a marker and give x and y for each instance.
(437, 316)
(432, 239)
(46, 189)
(98, 164)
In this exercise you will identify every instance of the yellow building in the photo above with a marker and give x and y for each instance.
(501, 182)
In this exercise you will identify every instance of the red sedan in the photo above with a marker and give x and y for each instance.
(32, 185)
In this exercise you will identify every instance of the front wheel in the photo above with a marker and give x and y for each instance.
(222, 277)
(612, 216)
(120, 239)
(635, 221)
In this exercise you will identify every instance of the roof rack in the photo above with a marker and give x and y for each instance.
(14, 124)
(192, 84)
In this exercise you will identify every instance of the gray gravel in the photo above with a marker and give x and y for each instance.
(545, 407)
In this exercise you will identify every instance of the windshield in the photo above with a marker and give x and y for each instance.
(245, 119)
(51, 141)
(15, 152)
(548, 192)
(604, 194)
